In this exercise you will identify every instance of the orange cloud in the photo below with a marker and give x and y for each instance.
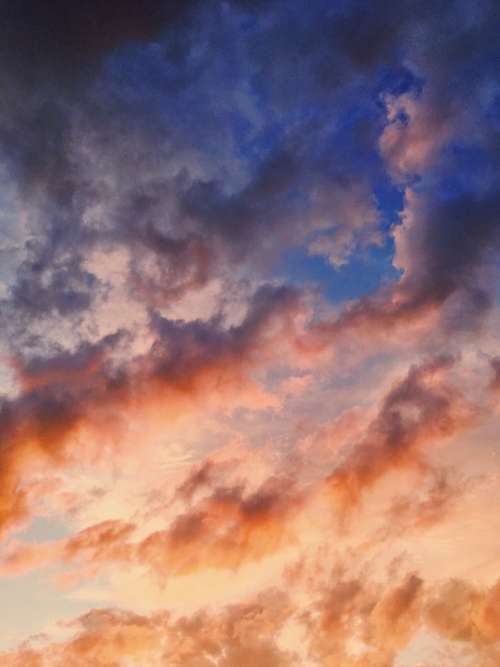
(223, 530)
(225, 526)
(462, 612)
(421, 408)
(239, 635)
(353, 622)
(189, 364)
(226, 529)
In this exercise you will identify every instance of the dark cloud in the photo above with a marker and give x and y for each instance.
(187, 229)
(495, 367)
(60, 41)
(50, 55)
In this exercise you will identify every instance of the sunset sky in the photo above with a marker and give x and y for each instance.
(249, 333)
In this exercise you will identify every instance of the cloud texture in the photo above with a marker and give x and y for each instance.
(249, 361)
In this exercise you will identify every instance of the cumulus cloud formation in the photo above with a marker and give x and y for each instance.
(245, 633)
(249, 357)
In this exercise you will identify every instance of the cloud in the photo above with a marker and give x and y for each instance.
(187, 362)
(232, 527)
(222, 525)
(419, 409)
(463, 612)
(185, 222)
(358, 620)
(239, 635)
(443, 248)
(417, 131)
(102, 543)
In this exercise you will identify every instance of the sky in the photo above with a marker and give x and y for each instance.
(249, 315)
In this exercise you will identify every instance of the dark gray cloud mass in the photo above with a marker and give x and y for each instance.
(148, 111)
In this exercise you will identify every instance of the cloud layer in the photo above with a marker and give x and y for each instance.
(249, 363)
